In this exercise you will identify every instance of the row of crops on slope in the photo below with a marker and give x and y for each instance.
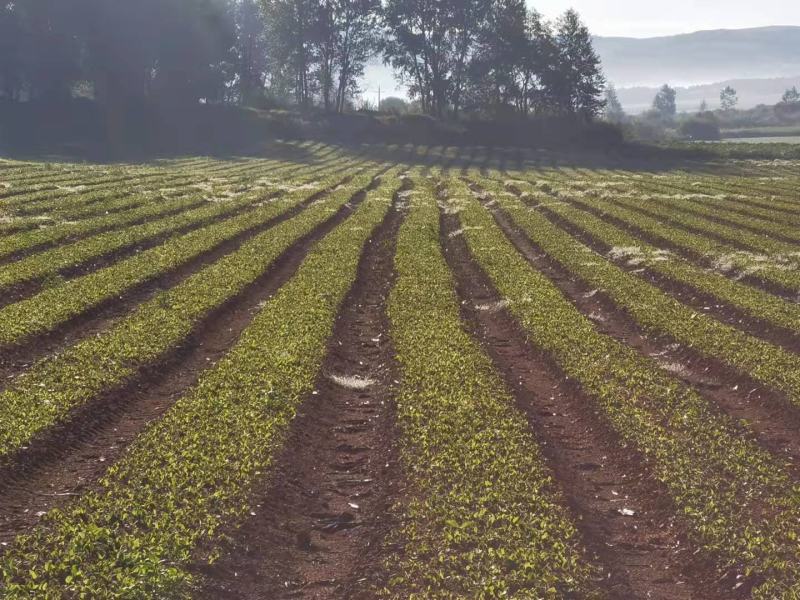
(479, 512)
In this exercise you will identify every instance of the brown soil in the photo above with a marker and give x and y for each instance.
(319, 519)
(686, 294)
(769, 414)
(30, 250)
(695, 257)
(644, 555)
(68, 460)
(16, 359)
(29, 288)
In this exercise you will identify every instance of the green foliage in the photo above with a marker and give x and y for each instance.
(193, 472)
(51, 389)
(482, 518)
(737, 498)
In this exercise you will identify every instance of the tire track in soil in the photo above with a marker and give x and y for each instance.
(645, 555)
(321, 516)
(773, 421)
(15, 359)
(69, 459)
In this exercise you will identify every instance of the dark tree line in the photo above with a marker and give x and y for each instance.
(454, 56)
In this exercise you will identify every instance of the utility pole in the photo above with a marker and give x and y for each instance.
(379, 97)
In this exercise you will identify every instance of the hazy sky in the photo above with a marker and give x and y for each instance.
(645, 18)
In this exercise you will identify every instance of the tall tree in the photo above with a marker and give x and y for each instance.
(250, 49)
(345, 36)
(728, 98)
(429, 43)
(579, 79)
(614, 113)
(502, 69)
(664, 103)
(290, 33)
(791, 96)
(12, 66)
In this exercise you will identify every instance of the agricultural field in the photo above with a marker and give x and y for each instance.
(400, 372)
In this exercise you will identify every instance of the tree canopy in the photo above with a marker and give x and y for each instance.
(454, 56)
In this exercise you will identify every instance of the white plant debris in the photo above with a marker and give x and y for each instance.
(492, 307)
(352, 382)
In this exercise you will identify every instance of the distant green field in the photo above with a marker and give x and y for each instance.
(780, 131)
(785, 139)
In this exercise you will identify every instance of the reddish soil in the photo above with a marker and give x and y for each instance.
(644, 555)
(320, 518)
(686, 294)
(696, 257)
(16, 359)
(29, 288)
(769, 414)
(68, 460)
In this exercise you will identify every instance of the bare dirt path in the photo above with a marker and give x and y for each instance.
(322, 514)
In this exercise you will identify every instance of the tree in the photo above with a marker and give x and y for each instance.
(290, 26)
(728, 98)
(579, 81)
(664, 103)
(703, 106)
(791, 96)
(614, 113)
(504, 60)
(429, 44)
(355, 26)
(12, 67)
(250, 49)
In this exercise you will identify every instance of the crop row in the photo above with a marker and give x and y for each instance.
(79, 192)
(60, 303)
(54, 260)
(20, 196)
(146, 205)
(708, 210)
(53, 387)
(13, 244)
(78, 199)
(633, 252)
(737, 498)
(193, 472)
(743, 190)
(57, 259)
(737, 235)
(653, 309)
(483, 518)
(781, 270)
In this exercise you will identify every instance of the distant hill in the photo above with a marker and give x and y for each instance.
(701, 57)
(760, 63)
(752, 92)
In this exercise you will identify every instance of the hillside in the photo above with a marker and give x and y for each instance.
(701, 57)
(752, 92)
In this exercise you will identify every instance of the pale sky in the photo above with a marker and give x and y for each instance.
(645, 18)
